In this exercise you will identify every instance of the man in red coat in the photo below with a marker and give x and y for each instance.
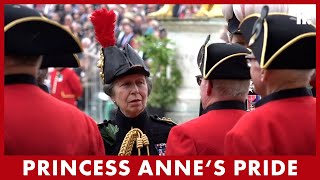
(224, 85)
(35, 123)
(66, 85)
(284, 122)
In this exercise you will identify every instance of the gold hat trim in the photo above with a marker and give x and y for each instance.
(205, 59)
(77, 59)
(41, 19)
(100, 64)
(264, 44)
(269, 14)
(288, 44)
(221, 61)
(258, 15)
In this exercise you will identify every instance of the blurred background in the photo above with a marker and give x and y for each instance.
(177, 30)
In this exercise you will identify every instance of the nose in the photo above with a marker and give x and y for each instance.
(135, 89)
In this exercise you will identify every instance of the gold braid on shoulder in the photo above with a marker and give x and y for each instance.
(134, 135)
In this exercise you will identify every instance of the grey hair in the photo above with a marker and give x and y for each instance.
(108, 88)
(233, 88)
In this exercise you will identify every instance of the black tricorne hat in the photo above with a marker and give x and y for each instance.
(114, 62)
(64, 60)
(279, 42)
(223, 61)
(28, 33)
(118, 62)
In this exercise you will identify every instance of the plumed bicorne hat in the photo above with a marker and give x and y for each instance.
(223, 61)
(278, 41)
(114, 62)
(28, 33)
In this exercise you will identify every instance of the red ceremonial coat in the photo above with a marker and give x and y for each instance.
(283, 123)
(35, 123)
(66, 85)
(205, 135)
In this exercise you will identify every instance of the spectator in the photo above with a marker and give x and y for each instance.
(66, 85)
(126, 35)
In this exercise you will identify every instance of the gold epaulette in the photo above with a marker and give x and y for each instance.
(164, 119)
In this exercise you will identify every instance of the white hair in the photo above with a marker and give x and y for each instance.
(232, 88)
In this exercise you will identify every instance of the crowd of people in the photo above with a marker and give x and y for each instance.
(265, 44)
(131, 22)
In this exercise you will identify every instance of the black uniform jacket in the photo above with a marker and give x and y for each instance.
(155, 128)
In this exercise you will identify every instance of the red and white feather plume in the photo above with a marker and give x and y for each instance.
(104, 26)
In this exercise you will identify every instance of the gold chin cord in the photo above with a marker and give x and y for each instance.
(134, 135)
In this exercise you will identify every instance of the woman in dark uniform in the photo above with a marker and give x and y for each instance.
(126, 81)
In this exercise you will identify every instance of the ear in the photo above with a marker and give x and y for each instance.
(208, 87)
(115, 103)
(264, 75)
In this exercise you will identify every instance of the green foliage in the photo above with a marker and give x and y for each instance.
(165, 75)
(109, 132)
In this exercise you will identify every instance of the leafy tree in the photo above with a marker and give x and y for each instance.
(165, 75)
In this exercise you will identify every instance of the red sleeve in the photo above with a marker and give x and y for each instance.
(95, 139)
(180, 143)
(76, 85)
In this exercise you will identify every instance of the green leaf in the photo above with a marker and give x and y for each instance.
(164, 91)
(109, 133)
